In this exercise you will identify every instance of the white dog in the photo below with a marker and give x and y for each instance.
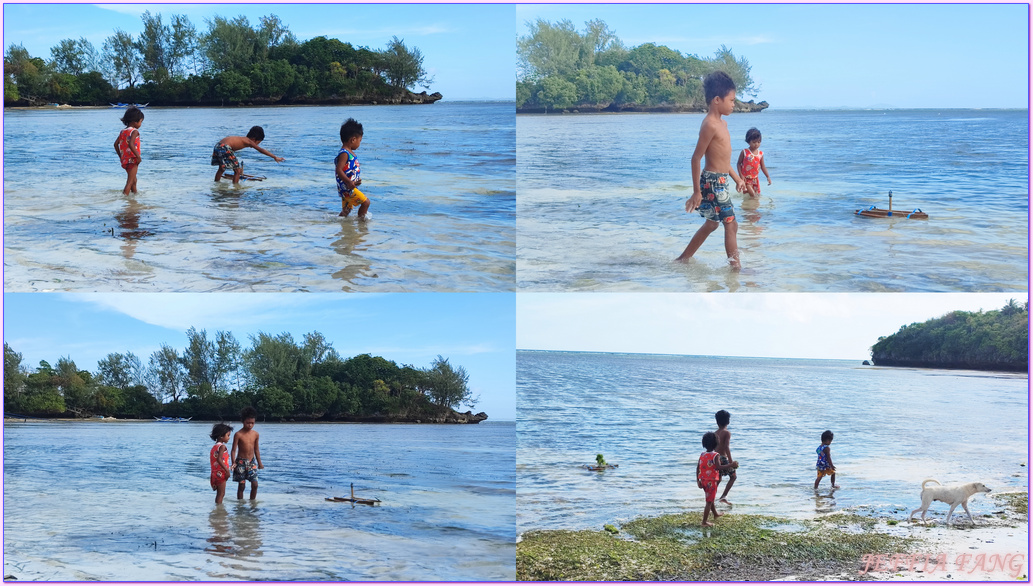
(953, 495)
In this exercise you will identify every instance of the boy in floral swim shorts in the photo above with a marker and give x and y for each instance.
(246, 459)
(223, 154)
(708, 475)
(710, 194)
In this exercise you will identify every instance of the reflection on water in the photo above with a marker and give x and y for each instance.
(442, 181)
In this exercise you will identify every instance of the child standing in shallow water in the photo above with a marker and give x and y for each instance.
(219, 457)
(708, 475)
(710, 194)
(127, 146)
(724, 450)
(246, 459)
(824, 465)
(348, 172)
(751, 163)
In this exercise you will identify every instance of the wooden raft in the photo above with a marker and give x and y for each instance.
(874, 212)
(353, 499)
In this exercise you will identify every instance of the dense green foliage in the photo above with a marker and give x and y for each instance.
(992, 340)
(558, 67)
(171, 63)
(215, 378)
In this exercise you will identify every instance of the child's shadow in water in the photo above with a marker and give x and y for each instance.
(825, 502)
(235, 534)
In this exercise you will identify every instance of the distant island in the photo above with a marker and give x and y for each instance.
(213, 379)
(232, 63)
(562, 70)
(992, 340)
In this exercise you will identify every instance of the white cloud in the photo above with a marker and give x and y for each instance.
(180, 311)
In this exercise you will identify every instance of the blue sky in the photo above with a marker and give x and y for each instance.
(764, 325)
(475, 331)
(467, 48)
(831, 56)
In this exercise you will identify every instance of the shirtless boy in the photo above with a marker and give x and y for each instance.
(710, 194)
(724, 440)
(246, 459)
(223, 154)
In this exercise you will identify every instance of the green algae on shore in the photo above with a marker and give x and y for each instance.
(677, 547)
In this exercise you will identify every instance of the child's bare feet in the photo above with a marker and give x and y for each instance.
(707, 524)
(724, 500)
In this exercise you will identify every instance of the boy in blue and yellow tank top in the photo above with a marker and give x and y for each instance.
(348, 171)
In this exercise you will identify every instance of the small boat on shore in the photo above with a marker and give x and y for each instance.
(173, 419)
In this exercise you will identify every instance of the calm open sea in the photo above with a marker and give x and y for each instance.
(600, 202)
(441, 178)
(894, 427)
(132, 501)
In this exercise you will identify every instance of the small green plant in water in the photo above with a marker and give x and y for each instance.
(600, 460)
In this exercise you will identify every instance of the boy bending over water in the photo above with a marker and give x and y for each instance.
(246, 459)
(710, 187)
(223, 154)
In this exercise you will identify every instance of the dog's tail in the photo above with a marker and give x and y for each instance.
(928, 481)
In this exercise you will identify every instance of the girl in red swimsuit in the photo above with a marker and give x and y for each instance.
(127, 145)
(708, 475)
(219, 457)
(751, 163)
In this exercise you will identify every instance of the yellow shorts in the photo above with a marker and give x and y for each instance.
(355, 198)
(824, 473)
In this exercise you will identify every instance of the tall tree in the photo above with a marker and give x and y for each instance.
(76, 57)
(448, 385)
(120, 370)
(123, 59)
(165, 374)
(404, 66)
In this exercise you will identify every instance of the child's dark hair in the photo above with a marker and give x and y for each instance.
(248, 412)
(722, 417)
(133, 114)
(826, 436)
(710, 441)
(752, 135)
(256, 134)
(350, 129)
(219, 430)
(717, 85)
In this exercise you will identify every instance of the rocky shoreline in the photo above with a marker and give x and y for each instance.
(740, 108)
(451, 417)
(406, 99)
(840, 546)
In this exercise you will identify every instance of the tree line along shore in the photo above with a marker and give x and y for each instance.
(993, 340)
(172, 63)
(562, 69)
(213, 379)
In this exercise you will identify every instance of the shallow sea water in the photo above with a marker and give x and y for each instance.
(441, 178)
(131, 501)
(894, 427)
(601, 203)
